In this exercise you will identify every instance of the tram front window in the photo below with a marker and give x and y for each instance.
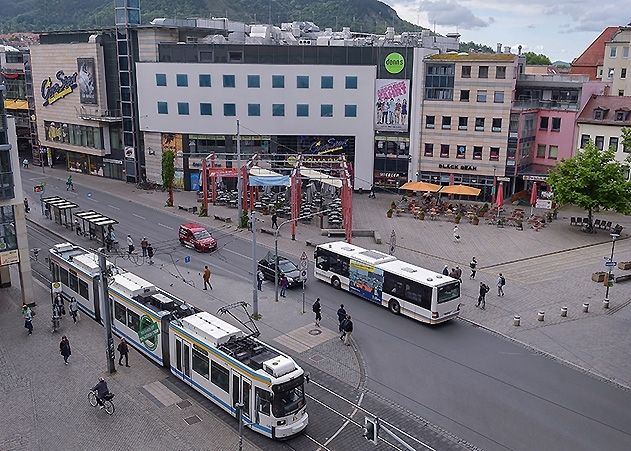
(289, 398)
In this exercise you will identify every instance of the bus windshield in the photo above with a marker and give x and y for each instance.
(289, 397)
(448, 292)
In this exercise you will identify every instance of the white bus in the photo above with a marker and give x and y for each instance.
(404, 288)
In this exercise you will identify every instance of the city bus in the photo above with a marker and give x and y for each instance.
(380, 278)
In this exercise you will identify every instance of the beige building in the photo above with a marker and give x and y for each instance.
(465, 117)
(617, 62)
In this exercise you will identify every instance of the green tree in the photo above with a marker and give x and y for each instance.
(626, 140)
(168, 174)
(537, 58)
(472, 47)
(592, 179)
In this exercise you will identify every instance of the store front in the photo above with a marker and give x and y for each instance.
(484, 183)
(392, 161)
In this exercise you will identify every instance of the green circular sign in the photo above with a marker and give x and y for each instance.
(394, 63)
(148, 332)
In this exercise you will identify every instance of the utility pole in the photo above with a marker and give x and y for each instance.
(107, 314)
(255, 290)
(239, 407)
(239, 178)
(614, 237)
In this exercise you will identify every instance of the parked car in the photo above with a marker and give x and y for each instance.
(285, 266)
(197, 237)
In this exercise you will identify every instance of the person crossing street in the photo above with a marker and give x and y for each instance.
(206, 277)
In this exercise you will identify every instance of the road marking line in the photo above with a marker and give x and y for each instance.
(165, 226)
(112, 206)
(138, 216)
(361, 397)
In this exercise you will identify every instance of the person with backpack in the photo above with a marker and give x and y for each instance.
(348, 330)
(341, 315)
(473, 265)
(317, 309)
(150, 253)
(501, 281)
(69, 184)
(446, 270)
(123, 350)
(484, 288)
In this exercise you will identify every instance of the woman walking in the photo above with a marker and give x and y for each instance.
(64, 349)
(317, 309)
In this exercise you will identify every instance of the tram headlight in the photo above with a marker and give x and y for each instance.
(281, 422)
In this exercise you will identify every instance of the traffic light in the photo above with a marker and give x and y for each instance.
(371, 429)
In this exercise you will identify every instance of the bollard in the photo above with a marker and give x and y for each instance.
(606, 303)
(564, 311)
(540, 315)
(585, 307)
(516, 320)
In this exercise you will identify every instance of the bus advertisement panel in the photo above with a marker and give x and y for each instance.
(365, 281)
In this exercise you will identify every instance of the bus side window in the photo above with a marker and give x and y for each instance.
(426, 297)
(322, 262)
(265, 401)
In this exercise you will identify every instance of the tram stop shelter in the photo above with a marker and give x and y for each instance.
(59, 210)
(95, 224)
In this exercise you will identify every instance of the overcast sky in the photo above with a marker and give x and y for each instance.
(561, 29)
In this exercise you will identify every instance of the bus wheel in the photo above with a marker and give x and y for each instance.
(336, 283)
(394, 307)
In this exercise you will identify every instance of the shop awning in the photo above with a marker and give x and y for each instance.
(264, 177)
(420, 186)
(463, 190)
(14, 104)
(321, 176)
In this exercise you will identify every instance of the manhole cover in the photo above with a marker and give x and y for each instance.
(315, 332)
(184, 404)
(192, 420)
(316, 358)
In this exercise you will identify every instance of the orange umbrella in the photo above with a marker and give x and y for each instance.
(463, 190)
(420, 186)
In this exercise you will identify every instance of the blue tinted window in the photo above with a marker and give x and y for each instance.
(205, 109)
(229, 109)
(228, 81)
(351, 82)
(278, 109)
(302, 81)
(181, 79)
(350, 110)
(204, 80)
(254, 81)
(302, 110)
(161, 79)
(278, 81)
(163, 108)
(182, 108)
(254, 109)
(326, 110)
(326, 82)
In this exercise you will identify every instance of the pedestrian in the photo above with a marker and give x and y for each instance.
(348, 330)
(284, 283)
(27, 209)
(69, 183)
(473, 265)
(317, 309)
(123, 350)
(130, 245)
(501, 281)
(484, 288)
(459, 274)
(143, 245)
(25, 164)
(206, 278)
(456, 234)
(259, 280)
(150, 253)
(64, 349)
(77, 227)
(452, 273)
(341, 315)
(27, 314)
(59, 304)
(274, 220)
(445, 270)
(74, 309)
(371, 195)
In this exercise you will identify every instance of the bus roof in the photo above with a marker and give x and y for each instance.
(368, 256)
(416, 273)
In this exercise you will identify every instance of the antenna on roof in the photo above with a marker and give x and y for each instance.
(249, 324)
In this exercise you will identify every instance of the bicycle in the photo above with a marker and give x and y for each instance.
(107, 401)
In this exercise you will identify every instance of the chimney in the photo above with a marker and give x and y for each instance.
(507, 49)
(499, 47)
(606, 90)
(519, 49)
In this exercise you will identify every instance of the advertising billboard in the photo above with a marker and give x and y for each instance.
(86, 80)
(392, 105)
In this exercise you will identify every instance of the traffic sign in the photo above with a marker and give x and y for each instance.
(38, 188)
(56, 287)
(303, 261)
(610, 263)
(303, 274)
(187, 259)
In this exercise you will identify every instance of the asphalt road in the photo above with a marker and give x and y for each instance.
(484, 389)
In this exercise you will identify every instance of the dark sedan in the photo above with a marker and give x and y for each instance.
(285, 266)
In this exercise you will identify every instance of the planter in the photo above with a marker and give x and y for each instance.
(389, 213)
(519, 225)
(599, 276)
(457, 219)
(421, 216)
(475, 220)
(624, 265)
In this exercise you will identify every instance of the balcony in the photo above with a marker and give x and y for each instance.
(545, 104)
(98, 115)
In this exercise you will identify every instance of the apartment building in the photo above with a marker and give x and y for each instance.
(13, 62)
(617, 62)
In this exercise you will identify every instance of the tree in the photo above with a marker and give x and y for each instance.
(472, 47)
(168, 173)
(592, 179)
(538, 59)
(626, 141)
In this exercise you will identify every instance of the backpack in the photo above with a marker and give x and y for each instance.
(502, 281)
(472, 265)
(486, 288)
(316, 307)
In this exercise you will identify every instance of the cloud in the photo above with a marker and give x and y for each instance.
(451, 13)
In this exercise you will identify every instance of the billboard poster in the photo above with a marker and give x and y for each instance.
(86, 80)
(365, 281)
(393, 105)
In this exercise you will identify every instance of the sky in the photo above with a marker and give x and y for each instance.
(561, 29)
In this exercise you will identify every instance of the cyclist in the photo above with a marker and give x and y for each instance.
(101, 391)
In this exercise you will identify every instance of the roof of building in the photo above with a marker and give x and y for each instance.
(594, 55)
(473, 57)
(610, 105)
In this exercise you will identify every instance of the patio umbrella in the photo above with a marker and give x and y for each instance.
(500, 197)
(463, 190)
(420, 186)
(533, 198)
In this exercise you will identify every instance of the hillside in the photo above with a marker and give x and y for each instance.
(45, 15)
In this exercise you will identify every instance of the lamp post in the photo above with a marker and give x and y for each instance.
(614, 237)
(239, 177)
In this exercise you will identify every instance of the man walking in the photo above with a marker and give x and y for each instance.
(274, 220)
(27, 314)
(123, 350)
(446, 270)
(348, 330)
(456, 234)
(482, 297)
(69, 183)
(130, 245)
(206, 277)
(501, 281)
(458, 274)
(473, 265)
(150, 253)
(317, 309)
(259, 280)
(64, 349)
(284, 283)
(143, 245)
(341, 315)
(452, 273)
(74, 309)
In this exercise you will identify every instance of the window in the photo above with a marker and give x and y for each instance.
(407, 290)
(556, 124)
(182, 108)
(461, 151)
(63, 276)
(83, 289)
(621, 115)
(278, 81)
(326, 110)
(229, 81)
(181, 80)
(462, 122)
(120, 312)
(613, 51)
(541, 151)
(500, 72)
(584, 140)
(481, 95)
(625, 52)
(599, 114)
(621, 92)
(133, 321)
(254, 81)
(483, 72)
(161, 79)
(498, 97)
(220, 376)
(496, 126)
(200, 361)
(430, 121)
(466, 72)
(623, 72)
(600, 142)
(610, 72)
(446, 122)
(326, 82)
(494, 155)
(350, 82)
(444, 151)
(553, 151)
(543, 123)
(429, 150)
(163, 108)
(235, 57)
(254, 109)
(205, 109)
(204, 80)
(302, 81)
(302, 110)
(479, 124)
(229, 109)
(350, 110)
(74, 281)
(613, 143)
(464, 95)
(477, 152)
(278, 109)
(439, 81)
(265, 400)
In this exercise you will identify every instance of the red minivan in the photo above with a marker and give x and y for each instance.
(197, 237)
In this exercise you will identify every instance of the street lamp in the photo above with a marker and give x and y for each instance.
(614, 237)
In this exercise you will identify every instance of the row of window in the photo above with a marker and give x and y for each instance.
(461, 152)
(254, 81)
(553, 151)
(481, 96)
(70, 279)
(483, 72)
(463, 123)
(76, 135)
(599, 142)
(254, 109)
(127, 317)
(544, 122)
(613, 52)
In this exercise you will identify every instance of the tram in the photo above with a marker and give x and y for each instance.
(227, 365)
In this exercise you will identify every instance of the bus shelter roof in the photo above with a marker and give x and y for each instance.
(58, 202)
(95, 218)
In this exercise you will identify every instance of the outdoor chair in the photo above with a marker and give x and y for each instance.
(585, 222)
(572, 221)
(608, 226)
(597, 224)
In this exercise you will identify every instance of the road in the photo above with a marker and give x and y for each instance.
(488, 391)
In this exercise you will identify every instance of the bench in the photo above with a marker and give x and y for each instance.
(335, 232)
(623, 278)
(223, 218)
(189, 209)
(268, 231)
(377, 237)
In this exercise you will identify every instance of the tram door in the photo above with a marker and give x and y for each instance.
(241, 393)
(183, 357)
